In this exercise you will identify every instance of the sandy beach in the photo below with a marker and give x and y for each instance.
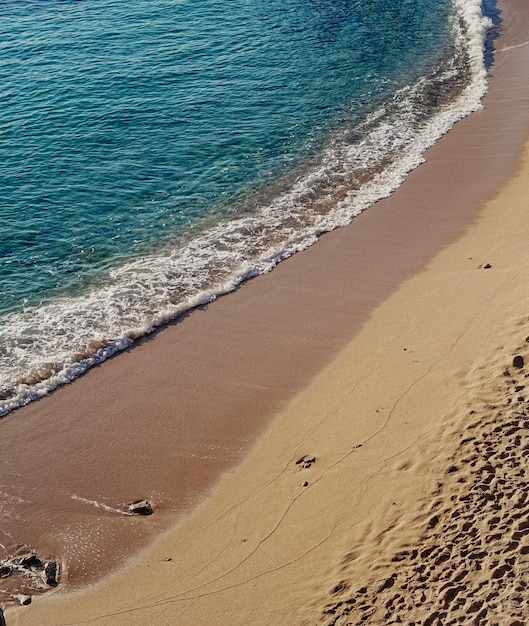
(341, 441)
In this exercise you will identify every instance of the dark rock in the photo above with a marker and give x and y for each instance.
(50, 575)
(141, 507)
(5, 571)
(487, 266)
(27, 560)
(518, 361)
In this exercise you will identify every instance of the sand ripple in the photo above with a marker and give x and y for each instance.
(470, 564)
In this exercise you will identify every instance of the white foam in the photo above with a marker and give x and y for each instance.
(51, 345)
(100, 505)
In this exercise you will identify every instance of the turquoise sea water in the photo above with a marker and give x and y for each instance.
(154, 154)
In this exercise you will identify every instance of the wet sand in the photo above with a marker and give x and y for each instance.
(166, 419)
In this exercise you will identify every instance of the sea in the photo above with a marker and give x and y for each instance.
(154, 154)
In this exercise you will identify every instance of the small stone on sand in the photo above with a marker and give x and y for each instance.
(141, 507)
(28, 559)
(50, 575)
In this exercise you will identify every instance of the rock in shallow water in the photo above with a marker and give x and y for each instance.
(141, 507)
(50, 575)
(27, 560)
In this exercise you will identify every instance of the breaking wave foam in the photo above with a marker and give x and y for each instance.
(51, 345)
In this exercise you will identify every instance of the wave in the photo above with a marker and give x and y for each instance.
(44, 347)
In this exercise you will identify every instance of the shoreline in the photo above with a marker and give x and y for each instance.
(369, 282)
(78, 330)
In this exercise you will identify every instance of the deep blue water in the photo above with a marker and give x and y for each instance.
(153, 153)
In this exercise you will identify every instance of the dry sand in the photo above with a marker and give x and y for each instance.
(413, 509)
